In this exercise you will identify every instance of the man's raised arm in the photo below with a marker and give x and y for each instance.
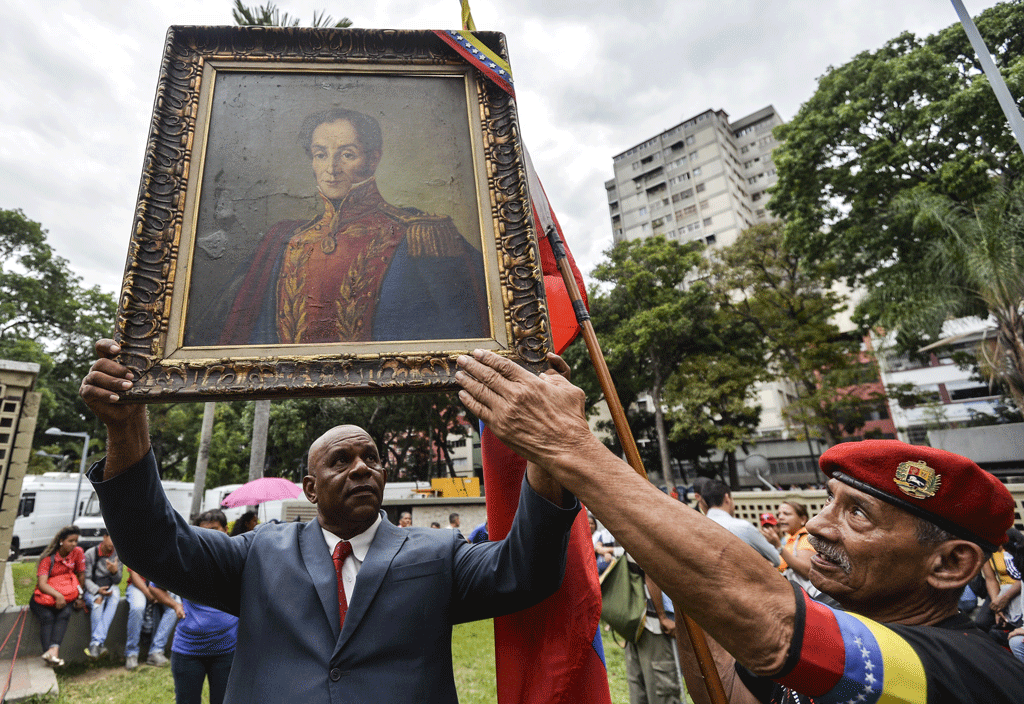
(707, 572)
(127, 425)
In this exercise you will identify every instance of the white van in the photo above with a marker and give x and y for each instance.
(91, 520)
(46, 506)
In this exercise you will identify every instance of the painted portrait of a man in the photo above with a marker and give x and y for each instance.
(363, 269)
(356, 267)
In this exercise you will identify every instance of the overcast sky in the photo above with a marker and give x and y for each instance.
(592, 79)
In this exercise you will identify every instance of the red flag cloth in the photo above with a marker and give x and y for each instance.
(550, 653)
(564, 327)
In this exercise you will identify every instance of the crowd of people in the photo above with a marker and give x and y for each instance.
(859, 602)
(70, 578)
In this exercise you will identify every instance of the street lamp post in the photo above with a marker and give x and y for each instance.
(81, 467)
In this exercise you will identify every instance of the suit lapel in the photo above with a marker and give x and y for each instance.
(383, 549)
(320, 567)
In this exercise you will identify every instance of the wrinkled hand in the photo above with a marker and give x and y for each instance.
(538, 417)
(101, 387)
(558, 367)
(112, 566)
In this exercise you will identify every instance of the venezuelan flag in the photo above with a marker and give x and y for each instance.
(848, 658)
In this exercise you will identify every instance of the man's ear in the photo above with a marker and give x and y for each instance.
(954, 564)
(372, 162)
(309, 488)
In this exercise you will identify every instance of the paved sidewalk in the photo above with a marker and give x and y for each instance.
(31, 678)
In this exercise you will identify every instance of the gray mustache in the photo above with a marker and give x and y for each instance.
(830, 551)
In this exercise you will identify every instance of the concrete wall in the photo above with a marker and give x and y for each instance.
(76, 640)
(988, 443)
(19, 407)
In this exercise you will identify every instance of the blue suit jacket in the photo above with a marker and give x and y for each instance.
(279, 579)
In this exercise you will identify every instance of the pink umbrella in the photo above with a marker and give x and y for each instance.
(263, 489)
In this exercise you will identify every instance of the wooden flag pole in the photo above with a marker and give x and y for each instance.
(697, 638)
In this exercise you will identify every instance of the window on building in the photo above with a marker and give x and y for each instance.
(700, 187)
(744, 150)
(710, 240)
(690, 210)
(703, 205)
(691, 139)
(707, 222)
(687, 193)
(642, 211)
(755, 197)
(696, 171)
(971, 392)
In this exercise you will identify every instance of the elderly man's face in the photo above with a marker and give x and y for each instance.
(405, 520)
(339, 158)
(868, 556)
(346, 479)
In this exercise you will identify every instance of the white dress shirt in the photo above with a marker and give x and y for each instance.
(360, 546)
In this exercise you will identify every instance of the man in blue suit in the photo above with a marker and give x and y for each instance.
(299, 640)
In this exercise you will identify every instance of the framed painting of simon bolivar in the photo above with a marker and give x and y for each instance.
(326, 211)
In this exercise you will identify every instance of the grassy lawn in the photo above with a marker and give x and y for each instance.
(107, 682)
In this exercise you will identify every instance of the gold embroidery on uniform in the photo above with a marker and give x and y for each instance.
(292, 318)
(358, 289)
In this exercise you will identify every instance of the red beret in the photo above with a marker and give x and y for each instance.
(946, 489)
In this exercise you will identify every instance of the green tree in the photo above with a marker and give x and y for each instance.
(49, 318)
(789, 301)
(712, 394)
(650, 319)
(269, 16)
(974, 265)
(916, 112)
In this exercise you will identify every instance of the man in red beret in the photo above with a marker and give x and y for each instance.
(904, 530)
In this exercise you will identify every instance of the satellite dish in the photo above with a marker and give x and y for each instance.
(759, 466)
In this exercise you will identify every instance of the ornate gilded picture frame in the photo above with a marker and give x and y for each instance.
(326, 212)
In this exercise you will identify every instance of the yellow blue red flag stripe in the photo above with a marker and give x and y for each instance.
(474, 51)
(848, 658)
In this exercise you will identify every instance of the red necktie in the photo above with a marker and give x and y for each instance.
(341, 551)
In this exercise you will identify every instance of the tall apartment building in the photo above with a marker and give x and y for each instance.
(705, 180)
(702, 180)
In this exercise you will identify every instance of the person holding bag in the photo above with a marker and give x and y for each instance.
(59, 579)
